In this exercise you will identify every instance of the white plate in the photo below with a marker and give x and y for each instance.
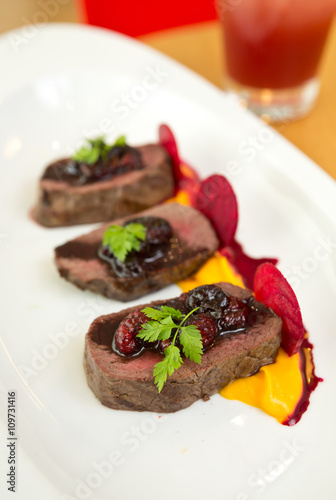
(58, 84)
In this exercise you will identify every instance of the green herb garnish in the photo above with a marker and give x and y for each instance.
(161, 328)
(121, 141)
(96, 149)
(123, 239)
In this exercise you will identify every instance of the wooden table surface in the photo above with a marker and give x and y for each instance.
(199, 47)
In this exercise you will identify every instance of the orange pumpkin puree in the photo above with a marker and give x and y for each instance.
(277, 388)
(281, 389)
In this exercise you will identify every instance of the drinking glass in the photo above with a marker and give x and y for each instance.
(273, 49)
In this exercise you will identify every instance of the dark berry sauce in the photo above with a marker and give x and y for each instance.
(218, 314)
(119, 161)
(160, 247)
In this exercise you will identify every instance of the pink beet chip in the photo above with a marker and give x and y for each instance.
(167, 140)
(272, 289)
(217, 201)
(244, 264)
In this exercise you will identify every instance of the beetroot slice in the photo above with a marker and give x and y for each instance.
(217, 201)
(272, 289)
(187, 179)
(167, 140)
(244, 264)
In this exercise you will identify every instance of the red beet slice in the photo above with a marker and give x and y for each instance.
(245, 265)
(217, 201)
(187, 180)
(167, 140)
(272, 289)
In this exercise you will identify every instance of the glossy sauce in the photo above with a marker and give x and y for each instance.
(161, 248)
(120, 160)
(137, 264)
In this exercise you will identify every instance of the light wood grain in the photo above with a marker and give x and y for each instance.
(16, 13)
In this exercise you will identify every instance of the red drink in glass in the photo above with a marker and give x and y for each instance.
(273, 48)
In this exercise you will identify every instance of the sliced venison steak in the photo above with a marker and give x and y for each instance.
(62, 204)
(78, 262)
(127, 383)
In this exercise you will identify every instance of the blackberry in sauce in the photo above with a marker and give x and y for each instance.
(208, 298)
(218, 314)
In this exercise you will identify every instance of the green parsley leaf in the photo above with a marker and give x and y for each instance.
(99, 145)
(162, 328)
(95, 149)
(86, 155)
(152, 313)
(155, 330)
(175, 313)
(91, 152)
(121, 141)
(191, 341)
(171, 362)
(160, 314)
(123, 239)
(137, 230)
(99, 142)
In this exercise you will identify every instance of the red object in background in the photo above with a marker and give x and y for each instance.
(275, 44)
(138, 17)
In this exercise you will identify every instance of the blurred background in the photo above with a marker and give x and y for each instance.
(190, 33)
